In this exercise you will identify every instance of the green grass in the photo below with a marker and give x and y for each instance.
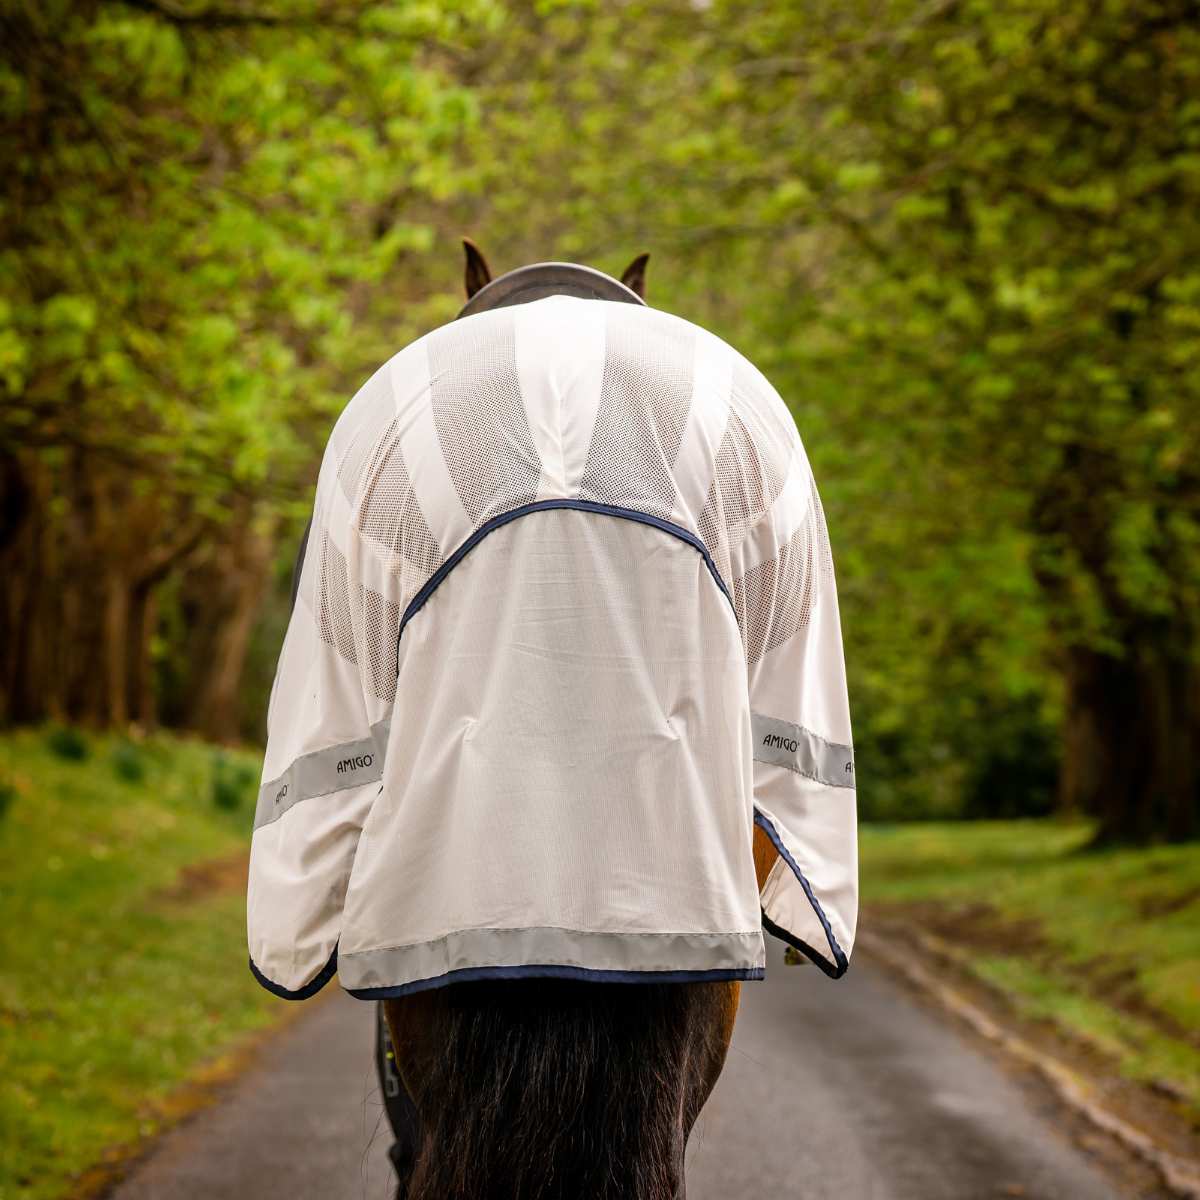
(116, 979)
(1106, 944)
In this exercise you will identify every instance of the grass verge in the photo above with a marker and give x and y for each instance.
(122, 943)
(1104, 944)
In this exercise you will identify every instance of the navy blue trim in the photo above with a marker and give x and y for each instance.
(839, 956)
(812, 955)
(612, 510)
(550, 971)
(323, 976)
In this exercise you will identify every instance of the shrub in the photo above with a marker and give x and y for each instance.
(128, 762)
(67, 742)
(232, 783)
(1015, 769)
(988, 757)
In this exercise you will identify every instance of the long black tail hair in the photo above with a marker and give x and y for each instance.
(547, 1089)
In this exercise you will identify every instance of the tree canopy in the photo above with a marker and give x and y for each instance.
(961, 238)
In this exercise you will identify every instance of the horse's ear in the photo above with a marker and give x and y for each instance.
(478, 272)
(634, 277)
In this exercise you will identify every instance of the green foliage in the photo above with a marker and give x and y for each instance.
(68, 743)
(960, 239)
(208, 193)
(212, 230)
(127, 762)
(1012, 770)
(233, 782)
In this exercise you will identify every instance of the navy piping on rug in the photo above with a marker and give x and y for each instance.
(552, 971)
(840, 962)
(612, 510)
(528, 971)
(314, 985)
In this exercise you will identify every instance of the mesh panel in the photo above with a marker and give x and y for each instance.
(388, 511)
(357, 621)
(778, 595)
(767, 419)
(355, 456)
(333, 601)
(480, 415)
(381, 627)
(736, 499)
(492, 462)
(824, 553)
(644, 403)
(737, 496)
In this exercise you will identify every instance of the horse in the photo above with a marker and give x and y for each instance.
(549, 1089)
(557, 1038)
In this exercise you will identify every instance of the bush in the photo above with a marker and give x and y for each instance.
(128, 762)
(68, 743)
(1015, 771)
(905, 778)
(996, 758)
(8, 794)
(232, 783)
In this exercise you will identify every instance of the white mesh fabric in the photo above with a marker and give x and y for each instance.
(674, 447)
(482, 430)
(645, 394)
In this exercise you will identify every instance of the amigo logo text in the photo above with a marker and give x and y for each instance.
(778, 742)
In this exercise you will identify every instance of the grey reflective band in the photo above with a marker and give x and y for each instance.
(794, 747)
(393, 966)
(333, 769)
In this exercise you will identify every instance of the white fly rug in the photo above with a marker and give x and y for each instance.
(566, 630)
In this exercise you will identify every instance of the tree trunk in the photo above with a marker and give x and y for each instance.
(1129, 756)
(1132, 718)
(143, 615)
(116, 650)
(20, 565)
(82, 556)
(218, 714)
(233, 585)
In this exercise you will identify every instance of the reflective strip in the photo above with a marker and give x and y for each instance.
(333, 769)
(394, 966)
(794, 747)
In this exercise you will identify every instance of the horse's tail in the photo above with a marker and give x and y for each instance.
(545, 1089)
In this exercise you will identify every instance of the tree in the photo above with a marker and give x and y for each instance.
(205, 209)
(960, 238)
(1013, 194)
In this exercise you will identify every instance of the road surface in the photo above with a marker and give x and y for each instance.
(847, 1089)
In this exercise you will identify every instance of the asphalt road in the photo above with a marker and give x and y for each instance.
(847, 1089)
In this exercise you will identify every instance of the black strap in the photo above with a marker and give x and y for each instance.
(401, 1111)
